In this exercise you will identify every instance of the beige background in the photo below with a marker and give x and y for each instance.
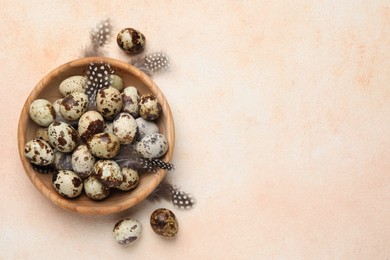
(282, 115)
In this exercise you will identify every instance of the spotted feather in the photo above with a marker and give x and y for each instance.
(101, 33)
(173, 194)
(100, 76)
(152, 63)
(182, 199)
(128, 157)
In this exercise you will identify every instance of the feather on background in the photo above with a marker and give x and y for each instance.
(99, 37)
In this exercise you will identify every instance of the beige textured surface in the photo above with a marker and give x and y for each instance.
(282, 115)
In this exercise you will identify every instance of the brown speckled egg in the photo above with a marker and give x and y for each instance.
(146, 128)
(164, 222)
(152, 146)
(94, 189)
(42, 112)
(130, 179)
(149, 107)
(67, 183)
(56, 105)
(62, 161)
(130, 99)
(108, 173)
(73, 84)
(43, 134)
(82, 161)
(63, 137)
(109, 102)
(127, 231)
(109, 127)
(103, 145)
(39, 152)
(73, 106)
(125, 128)
(90, 123)
(117, 82)
(131, 40)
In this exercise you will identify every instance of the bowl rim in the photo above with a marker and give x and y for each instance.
(69, 204)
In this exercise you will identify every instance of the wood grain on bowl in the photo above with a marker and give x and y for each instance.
(47, 88)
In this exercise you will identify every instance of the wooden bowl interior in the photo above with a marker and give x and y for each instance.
(48, 89)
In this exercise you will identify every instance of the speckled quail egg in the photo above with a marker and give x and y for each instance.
(103, 145)
(39, 152)
(109, 102)
(67, 183)
(73, 84)
(130, 179)
(73, 106)
(131, 40)
(149, 107)
(82, 161)
(62, 161)
(127, 231)
(42, 112)
(90, 123)
(125, 128)
(117, 82)
(108, 173)
(109, 127)
(130, 99)
(164, 222)
(56, 105)
(42, 134)
(146, 128)
(63, 137)
(152, 146)
(94, 189)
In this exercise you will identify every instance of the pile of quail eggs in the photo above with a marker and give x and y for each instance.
(80, 142)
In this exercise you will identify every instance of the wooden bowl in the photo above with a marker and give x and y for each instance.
(48, 89)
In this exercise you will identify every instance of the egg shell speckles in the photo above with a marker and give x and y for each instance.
(146, 128)
(62, 161)
(152, 146)
(90, 123)
(109, 102)
(149, 107)
(109, 127)
(164, 222)
(117, 82)
(104, 145)
(82, 161)
(130, 179)
(43, 134)
(56, 105)
(127, 231)
(73, 106)
(130, 97)
(42, 112)
(73, 84)
(131, 40)
(67, 183)
(94, 189)
(108, 173)
(125, 128)
(39, 152)
(63, 137)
